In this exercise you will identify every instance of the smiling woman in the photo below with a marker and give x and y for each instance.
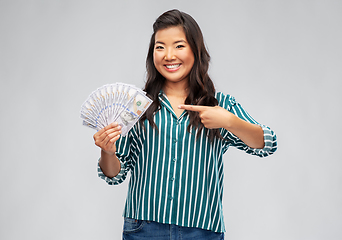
(173, 57)
(199, 89)
(174, 153)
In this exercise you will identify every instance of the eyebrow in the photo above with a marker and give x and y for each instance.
(179, 41)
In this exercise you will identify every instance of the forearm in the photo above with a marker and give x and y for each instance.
(110, 164)
(218, 117)
(251, 134)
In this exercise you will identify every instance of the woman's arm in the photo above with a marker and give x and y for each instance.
(105, 139)
(217, 117)
(251, 134)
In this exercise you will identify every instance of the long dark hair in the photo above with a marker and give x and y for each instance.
(201, 88)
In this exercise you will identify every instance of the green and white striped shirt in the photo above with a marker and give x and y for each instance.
(176, 178)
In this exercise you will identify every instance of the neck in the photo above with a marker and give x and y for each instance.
(176, 89)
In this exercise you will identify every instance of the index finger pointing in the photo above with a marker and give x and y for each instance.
(194, 108)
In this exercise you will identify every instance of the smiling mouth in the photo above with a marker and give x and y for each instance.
(172, 66)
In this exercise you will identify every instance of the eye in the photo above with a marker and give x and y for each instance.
(180, 46)
(159, 47)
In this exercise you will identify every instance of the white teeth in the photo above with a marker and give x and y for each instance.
(172, 66)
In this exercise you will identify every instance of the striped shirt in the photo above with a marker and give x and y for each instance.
(175, 177)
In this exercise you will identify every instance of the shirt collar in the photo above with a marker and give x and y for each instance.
(166, 103)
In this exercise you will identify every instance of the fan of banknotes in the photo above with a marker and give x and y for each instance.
(118, 102)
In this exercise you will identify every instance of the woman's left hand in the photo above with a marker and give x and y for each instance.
(211, 117)
(218, 117)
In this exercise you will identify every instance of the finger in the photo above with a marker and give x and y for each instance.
(102, 133)
(195, 108)
(109, 126)
(112, 135)
(110, 146)
(108, 141)
(112, 130)
(102, 136)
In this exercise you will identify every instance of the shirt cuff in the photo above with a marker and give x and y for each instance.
(115, 180)
(270, 141)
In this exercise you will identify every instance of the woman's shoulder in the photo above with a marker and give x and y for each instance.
(225, 100)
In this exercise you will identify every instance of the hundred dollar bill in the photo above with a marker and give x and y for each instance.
(99, 106)
(134, 109)
(91, 113)
(128, 92)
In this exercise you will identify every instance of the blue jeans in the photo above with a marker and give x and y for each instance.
(147, 230)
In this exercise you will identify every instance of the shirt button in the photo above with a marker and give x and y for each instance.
(171, 198)
(172, 178)
(174, 159)
(175, 140)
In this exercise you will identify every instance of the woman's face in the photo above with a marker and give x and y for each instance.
(172, 55)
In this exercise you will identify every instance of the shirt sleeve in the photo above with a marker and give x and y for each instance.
(270, 139)
(128, 149)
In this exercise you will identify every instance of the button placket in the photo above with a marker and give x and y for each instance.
(173, 162)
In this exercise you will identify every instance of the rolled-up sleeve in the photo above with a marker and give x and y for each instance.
(115, 180)
(270, 139)
(128, 148)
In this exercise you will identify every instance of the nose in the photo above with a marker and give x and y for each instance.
(169, 55)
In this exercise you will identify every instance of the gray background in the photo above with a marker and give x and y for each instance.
(280, 59)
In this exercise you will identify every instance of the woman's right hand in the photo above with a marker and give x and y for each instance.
(107, 136)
